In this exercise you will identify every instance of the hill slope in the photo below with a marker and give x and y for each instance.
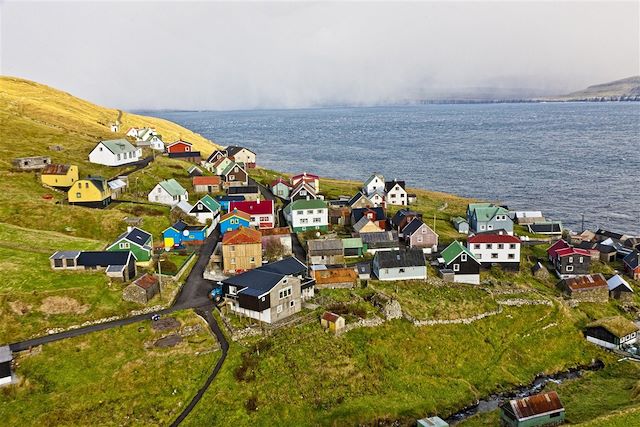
(619, 90)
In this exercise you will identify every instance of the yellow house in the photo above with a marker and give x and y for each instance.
(61, 176)
(92, 192)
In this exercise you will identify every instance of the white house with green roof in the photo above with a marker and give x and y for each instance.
(207, 208)
(168, 192)
(303, 215)
(487, 217)
(114, 152)
(459, 260)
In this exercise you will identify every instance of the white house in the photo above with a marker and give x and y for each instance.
(373, 184)
(132, 132)
(303, 215)
(377, 198)
(242, 155)
(168, 192)
(496, 247)
(114, 152)
(156, 143)
(395, 193)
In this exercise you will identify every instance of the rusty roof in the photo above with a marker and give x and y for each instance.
(206, 180)
(589, 281)
(536, 405)
(275, 231)
(329, 316)
(56, 169)
(146, 281)
(242, 235)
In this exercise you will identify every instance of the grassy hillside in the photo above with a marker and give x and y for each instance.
(623, 88)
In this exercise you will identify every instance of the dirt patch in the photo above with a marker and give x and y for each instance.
(62, 305)
(169, 341)
(20, 308)
(165, 324)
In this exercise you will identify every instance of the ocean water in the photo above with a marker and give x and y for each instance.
(565, 159)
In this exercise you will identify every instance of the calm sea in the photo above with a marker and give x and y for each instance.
(564, 159)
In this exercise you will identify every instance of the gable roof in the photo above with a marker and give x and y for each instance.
(588, 281)
(262, 207)
(255, 282)
(352, 242)
(617, 281)
(282, 181)
(330, 317)
(118, 146)
(276, 231)
(103, 258)
(180, 141)
(362, 223)
(372, 177)
(55, 169)
(65, 255)
(215, 153)
(232, 150)
(244, 189)
(229, 168)
(414, 225)
(180, 226)
(556, 246)
(136, 236)
(305, 204)
(486, 213)
(546, 227)
(97, 181)
(388, 186)
(290, 265)
(242, 236)
(236, 212)
(303, 185)
(459, 220)
(359, 195)
(209, 202)
(358, 213)
(535, 405)
(570, 251)
(632, 260)
(401, 214)
(146, 281)
(617, 325)
(455, 249)
(206, 180)
(172, 187)
(493, 236)
(400, 258)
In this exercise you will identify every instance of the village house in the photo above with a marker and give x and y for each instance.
(333, 276)
(31, 163)
(280, 237)
(142, 290)
(187, 156)
(353, 247)
(281, 188)
(571, 262)
(6, 359)
(233, 220)
(206, 209)
(325, 252)
(135, 240)
(117, 187)
(250, 192)
(332, 322)
(403, 264)
(365, 225)
(206, 184)
(487, 217)
(359, 200)
(364, 270)
(179, 146)
(119, 265)
(615, 332)
(217, 166)
(234, 175)
(261, 212)
(395, 193)
(591, 247)
(377, 199)
(195, 171)
(374, 184)
(459, 260)
(181, 234)
(241, 250)
(225, 201)
(375, 215)
(403, 217)
(418, 235)
(216, 155)
(601, 235)
(631, 264)
(307, 178)
(528, 217)
(586, 288)
(550, 228)
(496, 248)
(168, 192)
(270, 293)
(461, 225)
(606, 253)
(303, 215)
(92, 192)
(620, 289)
(114, 152)
(339, 215)
(539, 410)
(381, 241)
(555, 247)
(241, 155)
(303, 191)
(59, 176)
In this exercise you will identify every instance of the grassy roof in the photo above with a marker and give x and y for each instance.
(617, 325)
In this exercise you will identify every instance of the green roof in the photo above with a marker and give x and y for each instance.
(172, 187)
(305, 204)
(452, 251)
(352, 243)
(485, 213)
(210, 202)
(118, 146)
(617, 325)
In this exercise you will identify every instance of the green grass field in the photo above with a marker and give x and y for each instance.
(110, 378)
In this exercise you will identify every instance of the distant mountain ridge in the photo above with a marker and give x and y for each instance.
(627, 89)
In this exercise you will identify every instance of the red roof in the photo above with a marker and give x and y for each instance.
(560, 244)
(206, 180)
(242, 235)
(146, 281)
(305, 175)
(537, 404)
(55, 169)
(572, 251)
(237, 213)
(493, 238)
(330, 317)
(262, 207)
(281, 181)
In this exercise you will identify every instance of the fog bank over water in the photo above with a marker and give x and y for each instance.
(215, 55)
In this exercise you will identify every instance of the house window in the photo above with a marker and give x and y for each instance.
(86, 185)
(57, 262)
(299, 212)
(479, 256)
(500, 246)
(124, 245)
(252, 260)
(489, 246)
(264, 218)
(78, 195)
(279, 308)
(580, 260)
(419, 239)
(234, 221)
(401, 270)
(284, 293)
(489, 227)
(232, 248)
(319, 211)
(310, 212)
(118, 156)
(456, 267)
(232, 261)
(235, 169)
(494, 255)
(463, 257)
(570, 260)
(512, 246)
(304, 220)
(200, 206)
(317, 220)
(476, 246)
(292, 303)
(232, 177)
(569, 267)
(511, 256)
(482, 227)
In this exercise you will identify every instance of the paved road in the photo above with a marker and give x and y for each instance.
(224, 346)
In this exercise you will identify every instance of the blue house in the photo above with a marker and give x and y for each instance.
(226, 200)
(234, 220)
(181, 233)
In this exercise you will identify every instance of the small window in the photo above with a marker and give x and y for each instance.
(500, 246)
(279, 308)
(512, 246)
(78, 195)
(494, 255)
(292, 303)
(570, 260)
(232, 261)
(86, 185)
(489, 246)
(511, 256)
(401, 270)
(569, 267)
(463, 257)
(580, 260)
(476, 246)
(456, 267)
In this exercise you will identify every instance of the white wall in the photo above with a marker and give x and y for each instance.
(483, 254)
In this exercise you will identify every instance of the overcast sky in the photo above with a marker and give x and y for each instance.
(203, 55)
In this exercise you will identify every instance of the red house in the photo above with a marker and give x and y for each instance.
(261, 212)
(179, 146)
(553, 249)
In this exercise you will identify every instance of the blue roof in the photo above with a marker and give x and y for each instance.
(256, 282)
(103, 258)
(137, 236)
(290, 265)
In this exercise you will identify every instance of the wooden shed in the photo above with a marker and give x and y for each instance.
(333, 322)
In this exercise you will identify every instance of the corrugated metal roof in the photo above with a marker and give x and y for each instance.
(589, 281)
(535, 405)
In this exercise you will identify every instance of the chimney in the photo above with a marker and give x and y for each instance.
(258, 201)
(129, 228)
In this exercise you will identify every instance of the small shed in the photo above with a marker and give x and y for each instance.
(142, 289)
(6, 358)
(544, 409)
(447, 274)
(461, 225)
(31, 163)
(539, 271)
(333, 322)
(432, 422)
(117, 187)
(612, 332)
(620, 289)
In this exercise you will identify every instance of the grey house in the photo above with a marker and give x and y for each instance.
(487, 217)
(400, 265)
(325, 252)
(419, 235)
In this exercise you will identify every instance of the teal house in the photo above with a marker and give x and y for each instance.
(544, 409)
(353, 247)
(139, 242)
